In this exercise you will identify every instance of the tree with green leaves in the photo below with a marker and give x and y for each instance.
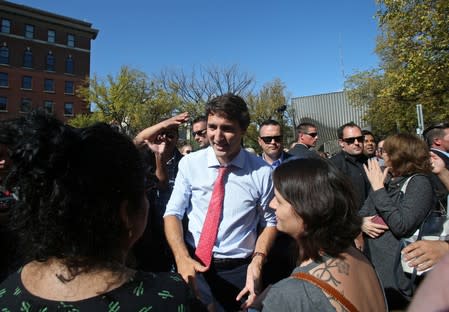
(413, 47)
(129, 101)
(271, 102)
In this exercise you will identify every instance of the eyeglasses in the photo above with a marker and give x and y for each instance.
(200, 133)
(359, 139)
(312, 134)
(268, 139)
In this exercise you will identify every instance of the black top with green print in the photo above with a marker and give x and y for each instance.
(145, 292)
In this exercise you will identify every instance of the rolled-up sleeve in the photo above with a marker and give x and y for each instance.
(182, 191)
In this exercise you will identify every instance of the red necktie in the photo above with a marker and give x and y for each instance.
(210, 227)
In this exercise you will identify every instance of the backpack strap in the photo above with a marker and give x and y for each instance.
(327, 289)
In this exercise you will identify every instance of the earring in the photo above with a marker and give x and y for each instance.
(130, 233)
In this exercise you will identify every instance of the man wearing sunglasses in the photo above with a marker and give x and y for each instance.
(307, 138)
(199, 131)
(351, 159)
(270, 140)
(279, 264)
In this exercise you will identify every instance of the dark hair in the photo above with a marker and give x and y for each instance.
(229, 106)
(435, 132)
(199, 118)
(367, 132)
(322, 196)
(270, 122)
(408, 154)
(71, 185)
(304, 127)
(341, 128)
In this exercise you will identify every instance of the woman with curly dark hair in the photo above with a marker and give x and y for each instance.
(392, 211)
(81, 207)
(315, 205)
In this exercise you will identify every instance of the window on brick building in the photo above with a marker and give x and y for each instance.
(70, 40)
(25, 105)
(68, 109)
(49, 106)
(27, 82)
(50, 62)
(69, 87)
(4, 55)
(28, 58)
(51, 36)
(6, 26)
(4, 81)
(49, 85)
(3, 103)
(29, 31)
(69, 65)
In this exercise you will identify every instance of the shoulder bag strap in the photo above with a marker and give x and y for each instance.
(404, 186)
(397, 267)
(327, 288)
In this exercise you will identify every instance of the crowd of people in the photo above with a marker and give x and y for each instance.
(91, 220)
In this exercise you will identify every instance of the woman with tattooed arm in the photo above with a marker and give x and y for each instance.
(315, 205)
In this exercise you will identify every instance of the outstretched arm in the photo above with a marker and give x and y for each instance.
(185, 264)
(254, 272)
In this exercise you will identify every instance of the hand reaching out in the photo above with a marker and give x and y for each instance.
(424, 254)
(253, 283)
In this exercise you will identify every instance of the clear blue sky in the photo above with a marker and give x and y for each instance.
(307, 44)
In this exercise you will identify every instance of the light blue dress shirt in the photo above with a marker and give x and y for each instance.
(248, 191)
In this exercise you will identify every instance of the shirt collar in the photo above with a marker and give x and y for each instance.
(438, 150)
(238, 160)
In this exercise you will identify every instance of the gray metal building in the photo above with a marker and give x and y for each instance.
(328, 111)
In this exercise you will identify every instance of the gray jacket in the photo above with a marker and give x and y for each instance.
(403, 213)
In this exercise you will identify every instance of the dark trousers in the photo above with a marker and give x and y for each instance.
(226, 282)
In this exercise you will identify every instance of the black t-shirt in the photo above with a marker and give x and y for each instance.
(144, 292)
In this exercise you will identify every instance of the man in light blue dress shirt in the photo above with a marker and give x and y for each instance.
(247, 228)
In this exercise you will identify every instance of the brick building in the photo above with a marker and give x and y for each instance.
(44, 57)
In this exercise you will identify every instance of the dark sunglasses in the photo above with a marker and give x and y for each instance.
(268, 139)
(312, 134)
(359, 139)
(200, 133)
